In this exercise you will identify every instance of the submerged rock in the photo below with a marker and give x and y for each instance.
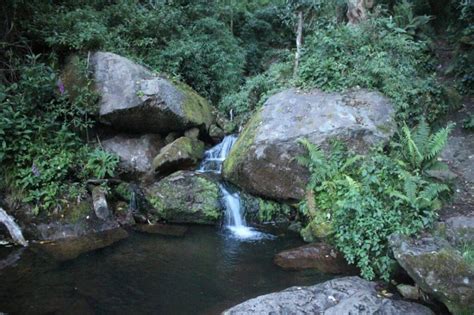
(135, 99)
(136, 152)
(438, 269)
(182, 153)
(185, 197)
(70, 248)
(318, 256)
(350, 295)
(263, 159)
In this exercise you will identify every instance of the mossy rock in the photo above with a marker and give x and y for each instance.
(183, 153)
(263, 161)
(185, 197)
(438, 269)
(133, 98)
(259, 210)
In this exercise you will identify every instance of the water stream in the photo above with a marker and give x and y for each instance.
(12, 228)
(234, 214)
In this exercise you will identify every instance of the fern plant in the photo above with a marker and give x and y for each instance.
(419, 148)
(357, 202)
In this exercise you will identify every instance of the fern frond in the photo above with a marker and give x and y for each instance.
(421, 135)
(438, 141)
(414, 154)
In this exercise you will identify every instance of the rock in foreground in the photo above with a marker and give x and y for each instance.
(263, 159)
(350, 295)
(438, 269)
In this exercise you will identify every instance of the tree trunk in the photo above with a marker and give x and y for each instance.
(299, 41)
(357, 10)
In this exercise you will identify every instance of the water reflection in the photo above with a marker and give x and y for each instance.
(201, 273)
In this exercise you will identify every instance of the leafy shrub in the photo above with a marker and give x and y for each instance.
(255, 91)
(209, 59)
(100, 164)
(359, 201)
(374, 55)
(42, 156)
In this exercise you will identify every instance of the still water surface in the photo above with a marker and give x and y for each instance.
(203, 272)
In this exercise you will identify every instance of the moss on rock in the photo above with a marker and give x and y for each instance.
(240, 149)
(195, 107)
(182, 153)
(186, 197)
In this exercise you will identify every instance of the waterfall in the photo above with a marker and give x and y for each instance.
(234, 217)
(13, 228)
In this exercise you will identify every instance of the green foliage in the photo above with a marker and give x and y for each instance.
(420, 148)
(469, 122)
(406, 20)
(462, 36)
(255, 91)
(365, 199)
(376, 55)
(467, 251)
(209, 59)
(42, 156)
(100, 164)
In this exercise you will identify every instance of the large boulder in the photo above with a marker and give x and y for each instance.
(185, 197)
(182, 153)
(317, 256)
(263, 159)
(438, 269)
(136, 152)
(343, 296)
(135, 99)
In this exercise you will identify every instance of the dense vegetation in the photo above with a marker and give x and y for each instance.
(236, 53)
(359, 201)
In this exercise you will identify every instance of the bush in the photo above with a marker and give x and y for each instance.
(42, 156)
(359, 201)
(208, 58)
(376, 55)
(255, 91)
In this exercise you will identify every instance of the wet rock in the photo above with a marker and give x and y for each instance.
(136, 152)
(318, 256)
(263, 159)
(409, 291)
(438, 269)
(70, 248)
(135, 99)
(124, 214)
(350, 295)
(259, 210)
(216, 133)
(101, 208)
(162, 229)
(185, 197)
(183, 153)
(12, 227)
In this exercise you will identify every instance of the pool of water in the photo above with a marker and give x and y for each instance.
(204, 272)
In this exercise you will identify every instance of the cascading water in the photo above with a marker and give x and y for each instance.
(234, 216)
(13, 228)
